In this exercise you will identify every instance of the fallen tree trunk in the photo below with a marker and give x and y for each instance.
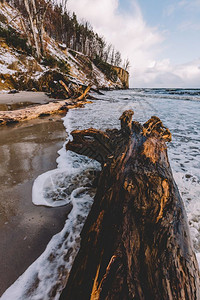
(65, 90)
(84, 94)
(15, 116)
(69, 92)
(135, 243)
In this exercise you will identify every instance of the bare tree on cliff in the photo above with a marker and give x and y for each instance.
(40, 13)
(112, 58)
(64, 5)
(118, 59)
(46, 15)
(36, 16)
(107, 52)
(126, 64)
(29, 11)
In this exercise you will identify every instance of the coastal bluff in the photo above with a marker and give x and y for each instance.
(123, 76)
(21, 69)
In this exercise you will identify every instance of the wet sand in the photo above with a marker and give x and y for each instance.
(26, 150)
(22, 99)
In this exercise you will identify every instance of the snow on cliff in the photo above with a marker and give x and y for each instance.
(14, 63)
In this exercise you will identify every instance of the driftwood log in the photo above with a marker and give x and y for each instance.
(84, 94)
(69, 92)
(135, 243)
(80, 93)
(33, 112)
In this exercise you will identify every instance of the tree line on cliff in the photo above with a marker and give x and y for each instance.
(39, 16)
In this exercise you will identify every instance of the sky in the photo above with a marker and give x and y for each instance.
(161, 38)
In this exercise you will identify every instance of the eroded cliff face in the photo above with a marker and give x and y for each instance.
(123, 76)
(19, 70)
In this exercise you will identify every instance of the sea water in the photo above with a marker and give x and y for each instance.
(70, 183)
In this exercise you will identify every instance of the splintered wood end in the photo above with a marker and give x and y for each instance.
(155, 127)
(126, 120)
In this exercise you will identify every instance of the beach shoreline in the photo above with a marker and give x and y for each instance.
(28, 149)
(31, 105)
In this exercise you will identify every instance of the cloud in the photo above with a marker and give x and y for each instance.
(189, 25)
(189, 4)
(130, 34)
(192, 5)
(169, 10)
(94, 10)
(164, 74)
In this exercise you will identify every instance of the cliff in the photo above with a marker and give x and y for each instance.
(123, 75)
(19, 69)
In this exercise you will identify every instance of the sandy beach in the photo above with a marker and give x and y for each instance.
(27, 150)
(22, 99)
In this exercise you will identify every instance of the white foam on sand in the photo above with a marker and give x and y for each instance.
(54, 187)
(47, 276)
(70, 183)
(189, 187)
